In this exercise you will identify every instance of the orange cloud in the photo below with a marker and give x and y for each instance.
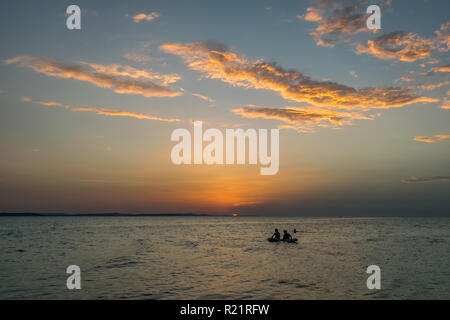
(405, 79)
(443, 36)
(435, 70)
(120, 113)
(432, 139)
(130, 72)
(445, 68)
(121, 79)
(312, 14)
(431, 86)
(398, 45)
(302, 119)
(145, 17)
(102, 111)
(219, 63)
(406, 46)
(336, 19)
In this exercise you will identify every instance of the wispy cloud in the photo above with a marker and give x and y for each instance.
(302, 119)
(130, 72)
(404, 79)
(406, 46)
(101, 111)
(204, 97)
(218, 63)
(441, 69)
(337, 19)
(443, 36)
(140, 54)
(120, 79)
(431, 86)
(432, 139)
(137, 56)
(143, 54)
(145, 17)
(426, 179)
(445, 68)
(446, 104)
(353, 74)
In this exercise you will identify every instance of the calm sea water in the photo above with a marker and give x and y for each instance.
(223, 258)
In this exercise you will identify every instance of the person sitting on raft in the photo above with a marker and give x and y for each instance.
(276, 235)
(286, 236)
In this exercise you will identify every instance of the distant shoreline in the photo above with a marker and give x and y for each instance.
(29, 214)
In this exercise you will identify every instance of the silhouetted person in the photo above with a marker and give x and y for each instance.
(276, 235)
(286, 236)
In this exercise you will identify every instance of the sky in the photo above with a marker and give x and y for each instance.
(86, 115)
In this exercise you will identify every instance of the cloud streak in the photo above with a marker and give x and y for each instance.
(433, 71)
(432, 139)
(120, 79)
(302, 119)
(427, 179)
(101, 111)
(431, 86)
(445, 68)
(204, 97)
(218, 63)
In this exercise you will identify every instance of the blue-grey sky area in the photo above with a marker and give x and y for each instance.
(364, 115)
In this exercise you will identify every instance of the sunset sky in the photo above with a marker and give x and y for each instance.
(364, 117)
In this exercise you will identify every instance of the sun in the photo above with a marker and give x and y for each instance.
(235, 214)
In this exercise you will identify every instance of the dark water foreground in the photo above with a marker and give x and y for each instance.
(223, 258)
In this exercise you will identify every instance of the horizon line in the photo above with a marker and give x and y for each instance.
(190, 214)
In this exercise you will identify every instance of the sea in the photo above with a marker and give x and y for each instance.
(223, 258)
